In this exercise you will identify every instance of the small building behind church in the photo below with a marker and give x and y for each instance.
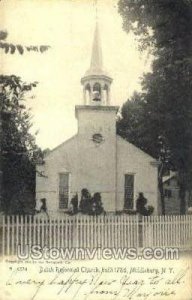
(96, 158)
(172, 197)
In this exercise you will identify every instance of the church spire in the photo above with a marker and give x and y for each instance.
(96, 57)
(96, 81)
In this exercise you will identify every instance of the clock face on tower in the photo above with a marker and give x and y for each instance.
(97, 138)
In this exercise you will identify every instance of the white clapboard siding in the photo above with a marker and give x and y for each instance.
(118, 231)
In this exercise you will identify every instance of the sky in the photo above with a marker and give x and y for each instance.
(68, 27)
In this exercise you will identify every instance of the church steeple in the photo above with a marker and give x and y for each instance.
(96, 81)
(96, 58)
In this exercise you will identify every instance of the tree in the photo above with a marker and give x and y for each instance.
(19, 151)
(4, 114)
(131, 124)
(12, 48)
(165, 27)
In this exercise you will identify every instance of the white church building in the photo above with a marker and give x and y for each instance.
(96, 158)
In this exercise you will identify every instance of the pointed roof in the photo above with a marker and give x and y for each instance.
(96, 65)
(96, 57)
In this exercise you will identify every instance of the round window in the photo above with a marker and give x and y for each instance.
(97, 138)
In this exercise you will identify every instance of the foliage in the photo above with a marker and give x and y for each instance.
(97, 205)
(18, 149)
(74, 203)
(12, 48)
(131, 124)
(158, 24)
(90, 205)
(141, 206)
(166, 28)
(85, 202)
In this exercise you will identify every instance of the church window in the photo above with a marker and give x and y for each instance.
(63, 190)
(129, 191)
(97, 138)
(96, 92)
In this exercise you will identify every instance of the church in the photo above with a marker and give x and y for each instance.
(96, 158)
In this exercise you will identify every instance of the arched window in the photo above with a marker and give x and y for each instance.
(97, 92)
(87, 93)
(105, 93)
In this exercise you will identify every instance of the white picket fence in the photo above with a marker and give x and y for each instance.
(95, 231)
(167, 231)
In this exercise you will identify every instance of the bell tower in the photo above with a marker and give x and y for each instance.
(96, 81)
(96, 120)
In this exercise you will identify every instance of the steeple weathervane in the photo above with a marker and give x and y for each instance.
(96, 10)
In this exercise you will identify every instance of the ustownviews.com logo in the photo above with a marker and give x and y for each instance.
(37, 252)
